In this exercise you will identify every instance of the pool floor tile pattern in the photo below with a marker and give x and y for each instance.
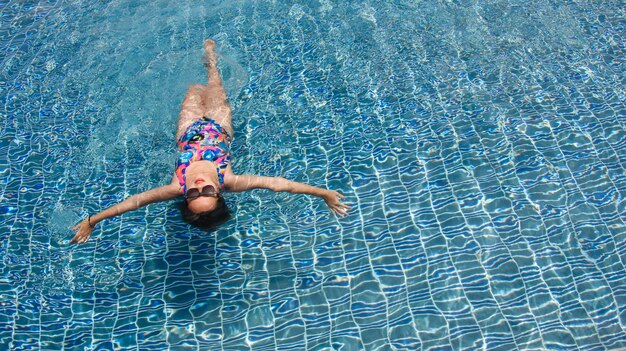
(482, 145)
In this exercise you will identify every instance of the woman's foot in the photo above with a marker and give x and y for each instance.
(209, 52)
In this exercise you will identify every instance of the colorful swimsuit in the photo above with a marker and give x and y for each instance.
(205, 140)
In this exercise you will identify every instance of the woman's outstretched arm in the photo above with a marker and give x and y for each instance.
(83, 229)
(248, 182)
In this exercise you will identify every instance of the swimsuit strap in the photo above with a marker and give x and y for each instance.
(221, 170)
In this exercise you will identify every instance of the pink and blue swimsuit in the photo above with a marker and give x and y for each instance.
(205, 140)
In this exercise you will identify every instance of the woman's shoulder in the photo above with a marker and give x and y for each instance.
(174, 187)
(230, 179)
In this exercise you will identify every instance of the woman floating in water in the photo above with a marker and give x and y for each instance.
(203, 169)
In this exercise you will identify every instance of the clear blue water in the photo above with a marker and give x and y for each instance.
(482, 144)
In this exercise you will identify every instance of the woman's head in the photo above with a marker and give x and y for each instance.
(204, 205)
(203, 200)
(205, 214)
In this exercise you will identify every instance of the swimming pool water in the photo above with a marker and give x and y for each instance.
(482, 144)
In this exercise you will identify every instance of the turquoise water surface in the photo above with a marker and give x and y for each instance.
(482, 144)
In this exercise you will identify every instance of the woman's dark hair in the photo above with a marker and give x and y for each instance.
(206, 220)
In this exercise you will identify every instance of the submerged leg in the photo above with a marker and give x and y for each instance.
(216, 103)
(193, 107)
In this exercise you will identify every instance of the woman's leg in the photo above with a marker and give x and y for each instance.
(215, 101)
(192, 109)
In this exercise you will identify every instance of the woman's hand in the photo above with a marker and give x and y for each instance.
(83, 232)
(332, 200)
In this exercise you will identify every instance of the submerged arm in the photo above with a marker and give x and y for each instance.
(83, 229)
(249, 182)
